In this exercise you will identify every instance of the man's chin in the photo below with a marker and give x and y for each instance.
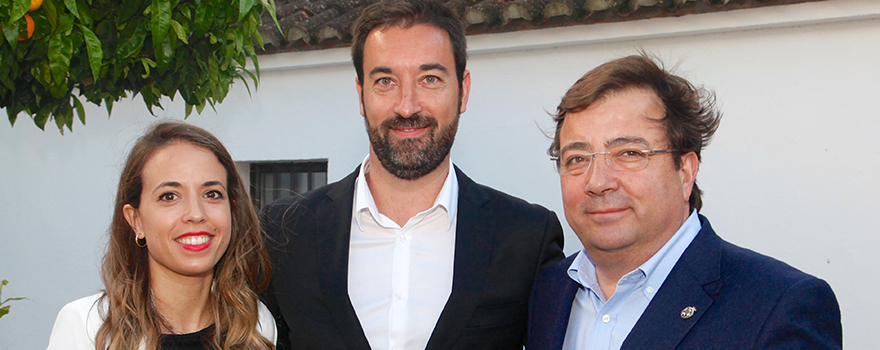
(411, 166)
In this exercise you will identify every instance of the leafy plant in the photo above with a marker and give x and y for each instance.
(103, 50)
(5, 309)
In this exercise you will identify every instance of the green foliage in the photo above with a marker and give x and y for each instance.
(5, 309)
(105, 50)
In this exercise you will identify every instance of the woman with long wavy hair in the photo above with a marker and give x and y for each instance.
(185, 258)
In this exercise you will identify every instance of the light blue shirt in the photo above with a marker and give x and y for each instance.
(596, 323)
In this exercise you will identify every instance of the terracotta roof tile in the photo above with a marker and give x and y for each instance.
(320, 24)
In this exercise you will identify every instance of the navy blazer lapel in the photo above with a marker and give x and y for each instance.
(474, 235)
(553, 296)
(693, 281)
(332, 244)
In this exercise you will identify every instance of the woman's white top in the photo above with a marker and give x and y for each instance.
(78, 322)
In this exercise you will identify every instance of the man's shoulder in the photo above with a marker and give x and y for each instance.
(758, 267)
(763, 296)
(294, 206)
(485, 195)
(737, 263)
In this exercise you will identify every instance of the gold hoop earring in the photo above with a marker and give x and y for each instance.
(138, 241)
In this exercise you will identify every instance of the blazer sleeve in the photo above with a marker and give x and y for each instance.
(807, 316)
(272, 224)
(552, 243)
(551, 252)
(281, 333)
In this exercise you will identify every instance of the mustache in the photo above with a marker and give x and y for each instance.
(414, 121)
(604, 203)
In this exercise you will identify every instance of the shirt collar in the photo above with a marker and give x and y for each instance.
(583, 271)
(447, 199)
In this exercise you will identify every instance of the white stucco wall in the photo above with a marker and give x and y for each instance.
(791, 172)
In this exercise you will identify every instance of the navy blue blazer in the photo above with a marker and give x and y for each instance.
(743, 300)
(501, 244)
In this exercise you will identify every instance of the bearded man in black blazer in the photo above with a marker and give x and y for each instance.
(407, 252)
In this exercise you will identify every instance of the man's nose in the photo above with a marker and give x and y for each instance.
(600, 177)
(409, 103)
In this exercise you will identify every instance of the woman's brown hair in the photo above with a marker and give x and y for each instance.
(242, 272)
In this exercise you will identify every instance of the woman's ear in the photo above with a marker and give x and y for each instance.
(131, 215)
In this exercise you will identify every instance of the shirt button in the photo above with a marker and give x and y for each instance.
(398, 296)
(606, 318)
(403, 238)
(650, 289)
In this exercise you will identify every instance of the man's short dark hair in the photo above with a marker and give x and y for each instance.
(406, 13)
(690, 115)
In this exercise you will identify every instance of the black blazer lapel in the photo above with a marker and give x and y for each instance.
(332, 244)
(474, 235)
(693, 281)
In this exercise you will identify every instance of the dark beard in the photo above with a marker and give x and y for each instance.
(412, 158)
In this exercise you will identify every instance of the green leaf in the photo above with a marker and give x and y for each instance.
(64, 117)
(132, 39)
(204, 18)
(147, 64)
(10, 32)
(128, 9)
(71, 6)
(85, 14)
(161, 22)
(12, 299)
(108, 103)
(269, 5)
(19, 8)
(12, 116)
(49, 9)
(42, 117)
(80, 110)
(65, 24)
(185, 11)
(253, 55)
(244, 6)
(254, 78)
(43, 73)
(60, 52)
(96, 54)
(164, 53)
(180, 31)
(188, 110)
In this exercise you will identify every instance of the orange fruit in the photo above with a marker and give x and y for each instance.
(30, 27)
(35, 4)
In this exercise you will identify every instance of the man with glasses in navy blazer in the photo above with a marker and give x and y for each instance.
(653, 274)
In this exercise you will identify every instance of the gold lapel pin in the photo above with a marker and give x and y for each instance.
(688, 312)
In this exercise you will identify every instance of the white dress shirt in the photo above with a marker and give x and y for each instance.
(596, 323)
(399, 278)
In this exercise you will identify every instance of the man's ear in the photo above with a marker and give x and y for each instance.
(465, 90)
(690, 165)
(131, 215)
(360, 91)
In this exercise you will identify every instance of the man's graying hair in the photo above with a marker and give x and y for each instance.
(690, 115)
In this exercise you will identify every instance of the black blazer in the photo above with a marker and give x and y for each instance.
(501, 245)
(743, 300)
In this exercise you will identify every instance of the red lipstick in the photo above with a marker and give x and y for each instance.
(195, 241)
